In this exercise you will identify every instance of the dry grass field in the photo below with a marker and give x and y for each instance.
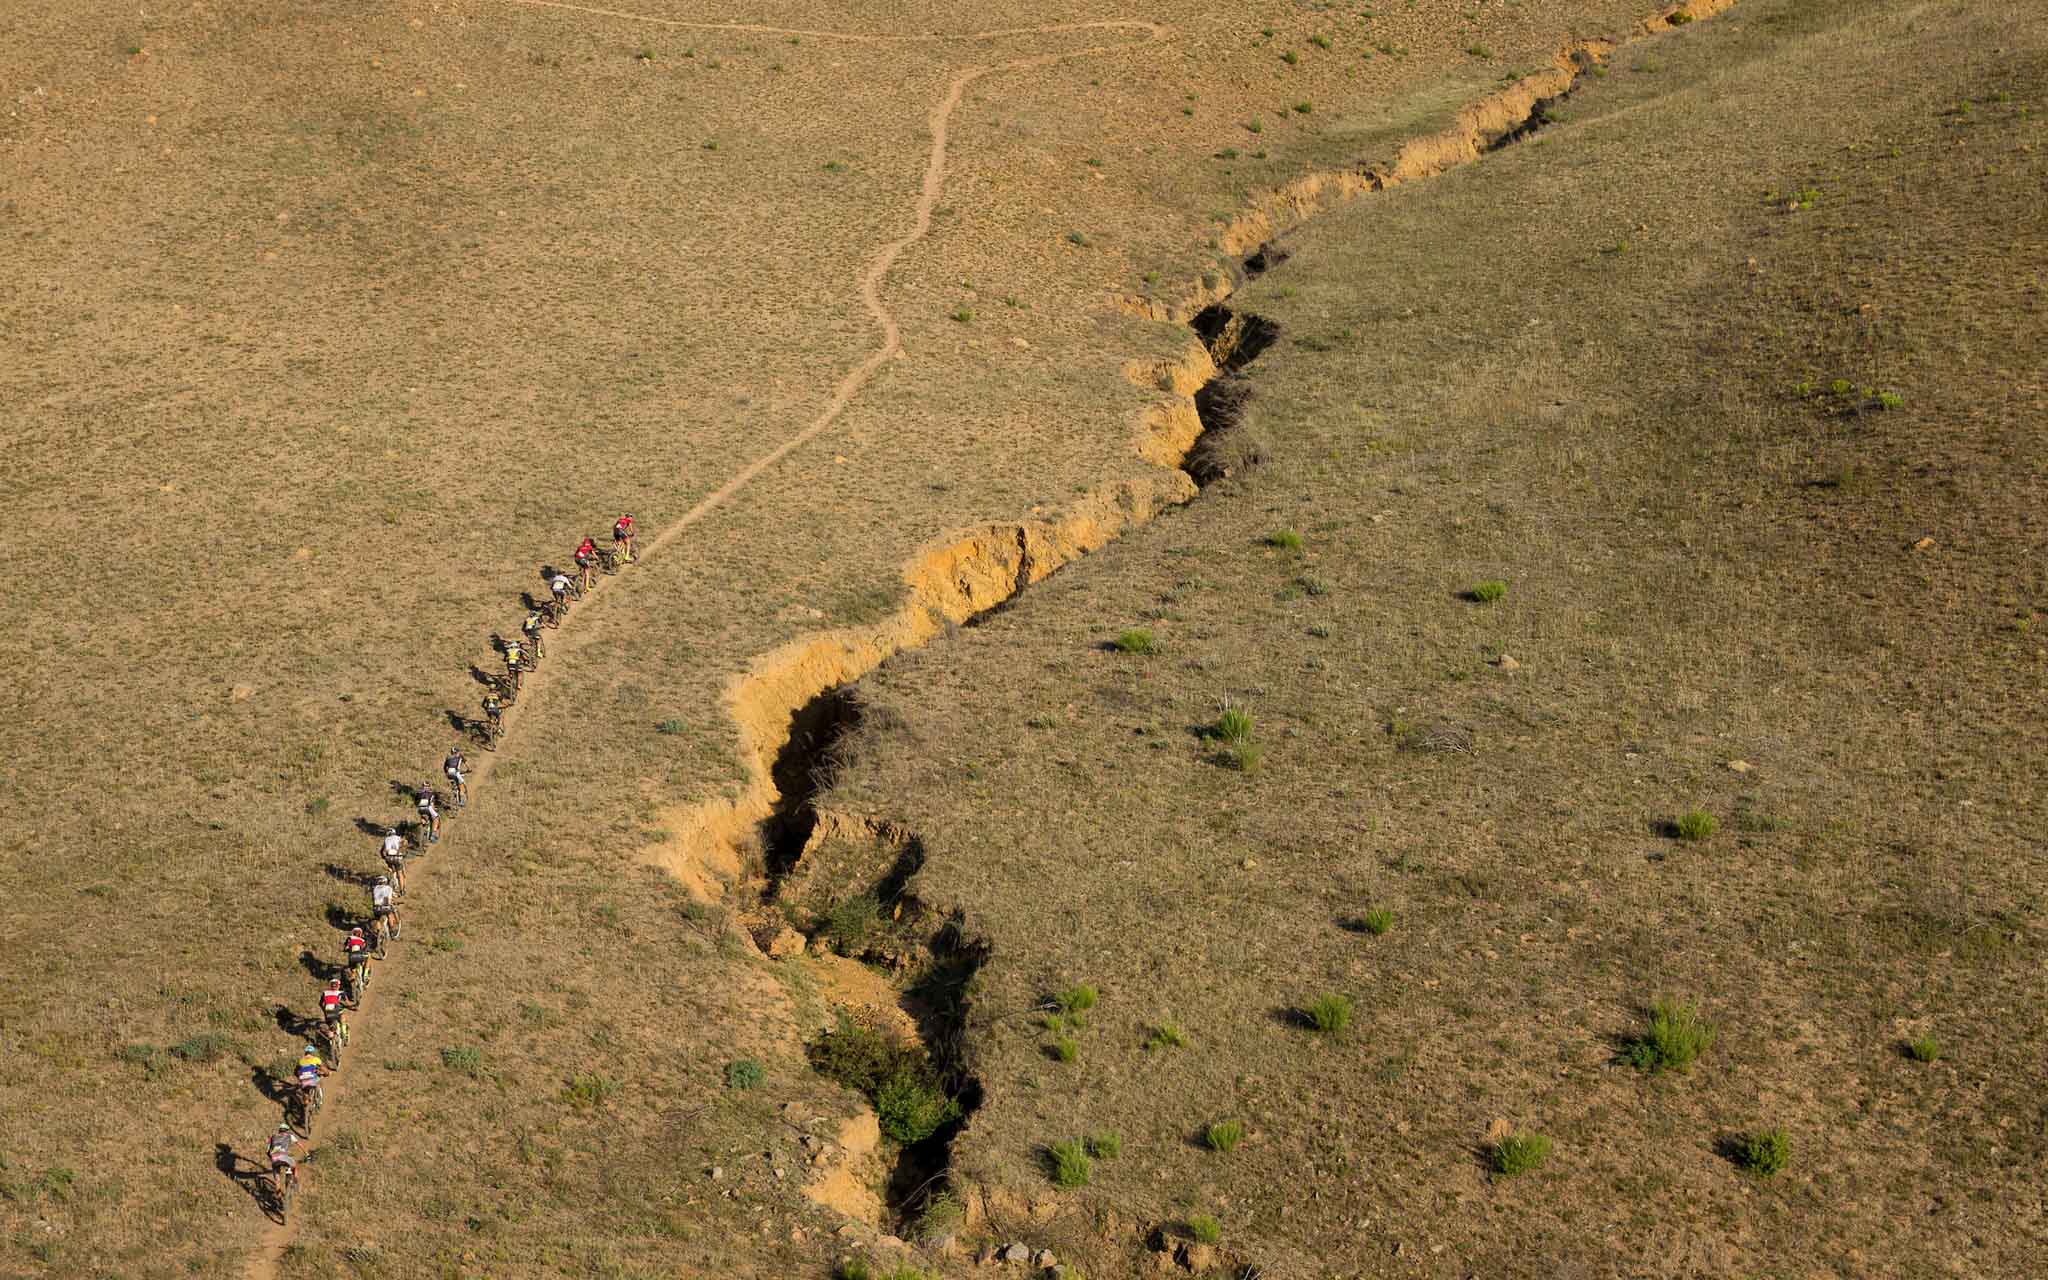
(328, 326)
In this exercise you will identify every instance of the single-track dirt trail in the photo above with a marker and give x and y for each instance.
(265, 1260)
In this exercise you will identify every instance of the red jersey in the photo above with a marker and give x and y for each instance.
(330, 999)
(624, 527)
(586, 549)
(356, 944)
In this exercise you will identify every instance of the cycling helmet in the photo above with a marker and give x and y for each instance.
(384, 880)
(311, 1048)
(285, 1127)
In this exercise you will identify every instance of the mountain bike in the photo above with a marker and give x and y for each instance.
(608, 560)
(334, 1035)
(487, 732)
(310, 1098)
(387, 928)
(532, 647)
(358, 977)
(282, 1185)
(513, 672)
(529, 657)
(552, 611)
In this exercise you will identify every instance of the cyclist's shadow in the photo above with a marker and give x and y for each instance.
(409, 791)
(255, 1179)
(295, 1025)
(320, 969)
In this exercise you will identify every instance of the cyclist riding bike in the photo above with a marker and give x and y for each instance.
(494, 711)
(394, 857)
(355, 949)
(458, 785)
(384, 909)
(512, 657)
(283, 1169)
(531, 630)
(586, 560)
(430, 814)
(309, 1071)
(559, 586)
(331, 1006)
(622, 537)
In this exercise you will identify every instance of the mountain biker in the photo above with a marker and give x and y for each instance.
(430, 813)
(394, 857)
(356, 950)
(586, 559)
(383, 907)
(512, 656)
(330, 1006)
(494, 711)
(559, 586)
(531, 630)
(453, 767)
(282, 1167)
(309, 1071)
(622, 536)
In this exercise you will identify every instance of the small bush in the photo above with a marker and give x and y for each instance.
(1765, 1152)
(1674, 1040)
(1136, 640)
(963, 315)
(1890, 400)
(1205, 1229)
(1077, 999)
(1224, 1135)
(467, 1059)
(1107, 1145)
(1377, 921)
(1924, 1048)
(1487, 592)
(1234, 725)
(670, 726)
(1071, 1166)
(1167, 1035)
(207, 1046)
(1245, 757)
(911, 1109)
(1076, 238)
(152, 1060)
(1066, 1049)
(1329, 1014)
(744, 1073)
(586, 1090)
(1518, 1153)
(1304, 107)
(1695, 824)
(1284, 540)
(852, 922)
(942, 1215)
(1479, 51)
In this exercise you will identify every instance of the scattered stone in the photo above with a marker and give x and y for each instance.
(717, 1174)
(1508, 663)
(786, 942)
(1925, 544)
(1016, 1253)
(1198, 1257)
(1249, 863)
(1044, 1260)
(1740, 766)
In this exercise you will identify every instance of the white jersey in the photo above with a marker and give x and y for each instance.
(394, 845)
(559, 584)
(380, 897)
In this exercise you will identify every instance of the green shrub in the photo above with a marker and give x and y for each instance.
(1077, 999)
(1329, 1013)
(1695, 824)
(1674, 1040)
(1136, 640)
(1304, 107)
(1107, 1145)
(1205, 1229)
(1066, 1049)
(588, 1090)
(671, 726)
(911, 1109)
(745, 1073)
(1070, 1164)
(1224, 1135)
(1167, 1035)
(1245, 757)
(207, 1046)
(1076, 238)
(1890, 400)
(467, 1059)
(1518, 1153)
(1284, 540)
(1765, 1152)
(153, 1061)
(1378, 920)
(1234, 725)
(963, 315)
(1290, 57)
(852, 922)
(1924, 1048)
(1487, 592)
(943, 1215)
(1479, 51)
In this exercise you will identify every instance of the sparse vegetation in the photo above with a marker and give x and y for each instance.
(1284, 540)
(1136, 640)
(1069, 1162)
(910, 1098)
(670, 727)
(1066, 1049)
(1765, 1152)
(588, 1089)
(1329, 1013)
(1377, 920)
(1695, 825)
(1518, 1153)
(1204, 1228)
(1079, 998)
(1675, 1038)
(1487, 592)
(744, 1073)
(1224, 1135)
(465, 1060)
(1107, 1145)
(1233, 726)
(1166, 1035)
(1924, 1048)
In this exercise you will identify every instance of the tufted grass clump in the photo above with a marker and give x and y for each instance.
(1079, 998)
(1136, 640)
(1329, 1014)
(1766, 1152)
(1234, 726)
(1518, 1153)
(1167, 1035)
(1284, 540)
(744, 1073)
(1107, 1145)
(1924, 1048)
(1487, 592)
(1674, 1039)
(1695, 825)
(1068, 1163)
(1377, 920)
(1204, 1228)
(1223, 1136)
(467, 1060)
(1066, 1049)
